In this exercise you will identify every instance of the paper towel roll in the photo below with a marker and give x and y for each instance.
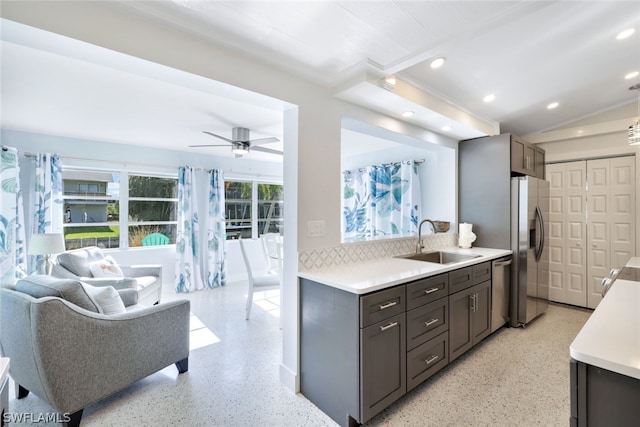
(465, 235)
(465, 228)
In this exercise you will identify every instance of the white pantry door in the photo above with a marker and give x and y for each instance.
(592, 226)
(567, 233)
(611, 219)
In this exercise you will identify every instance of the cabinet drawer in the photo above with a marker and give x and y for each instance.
(481, 272)
(427, 290)
(427, 359)
(381, 305)
(460, 279)
(426, 322)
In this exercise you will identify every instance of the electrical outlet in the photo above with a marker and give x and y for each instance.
(315, 228)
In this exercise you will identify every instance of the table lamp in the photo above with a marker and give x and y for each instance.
(46, 244)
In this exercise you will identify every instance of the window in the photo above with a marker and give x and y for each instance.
(252, 208)
(270, 208)
(117, 209)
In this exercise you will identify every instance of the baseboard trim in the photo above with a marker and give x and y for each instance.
(289, 379)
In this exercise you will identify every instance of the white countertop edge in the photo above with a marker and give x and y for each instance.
(610, 339)
(378, 274)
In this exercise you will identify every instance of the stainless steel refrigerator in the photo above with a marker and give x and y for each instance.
(529, 237)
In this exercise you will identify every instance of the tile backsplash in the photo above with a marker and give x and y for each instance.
(367, 251)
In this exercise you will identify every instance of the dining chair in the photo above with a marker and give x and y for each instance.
(256, 282)
(271, 242)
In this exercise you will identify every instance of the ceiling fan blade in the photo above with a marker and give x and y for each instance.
(218, 136)
(209, 145)
(261, 141)
(267, 150)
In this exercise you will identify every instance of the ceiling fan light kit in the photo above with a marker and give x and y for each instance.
(239, 148)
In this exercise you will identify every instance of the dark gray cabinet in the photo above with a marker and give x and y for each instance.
(523, 157)
(383, 364)
(470, 312)
(600, 397)
(427, 328)
(360, 353)
(383, 349)
(541, 169)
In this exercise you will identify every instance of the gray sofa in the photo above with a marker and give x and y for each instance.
(71, 355)
(146, 279)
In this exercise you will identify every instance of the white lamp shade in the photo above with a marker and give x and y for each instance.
(46, 243)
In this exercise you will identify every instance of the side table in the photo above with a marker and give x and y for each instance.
(4, 387)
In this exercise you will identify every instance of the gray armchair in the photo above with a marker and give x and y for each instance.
(146, 279)
(70, 355)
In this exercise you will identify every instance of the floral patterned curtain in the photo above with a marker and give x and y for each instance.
(381, 200)
(13, 262)
(47, 199)
(215, 269)
(187, 261)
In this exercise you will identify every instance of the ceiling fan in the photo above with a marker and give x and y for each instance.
(240, 142)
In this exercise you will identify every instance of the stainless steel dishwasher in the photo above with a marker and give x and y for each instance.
(501, 284)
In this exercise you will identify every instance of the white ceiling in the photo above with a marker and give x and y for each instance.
(527, 53)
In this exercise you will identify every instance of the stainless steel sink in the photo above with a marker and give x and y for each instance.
(439, 257)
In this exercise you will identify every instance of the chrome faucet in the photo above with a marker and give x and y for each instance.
(419, 245)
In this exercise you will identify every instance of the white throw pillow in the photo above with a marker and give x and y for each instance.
(106, 297)
(106, 267)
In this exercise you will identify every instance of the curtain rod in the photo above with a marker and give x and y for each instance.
(231, 172)
(117, 162)
(389, 164)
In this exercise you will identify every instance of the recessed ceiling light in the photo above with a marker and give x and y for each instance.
(552, 105)
(438, 62)
(446, 128)
(632, 75)
(626, 33)
(489, 98)
(408, 113)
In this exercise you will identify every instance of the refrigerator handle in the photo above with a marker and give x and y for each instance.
(540, 229)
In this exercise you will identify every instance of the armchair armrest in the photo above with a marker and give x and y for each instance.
(114, 351)
(129, 296)
(117, 282)
(142, 270)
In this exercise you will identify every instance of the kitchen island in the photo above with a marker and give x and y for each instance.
(372, 331)
(605, 360)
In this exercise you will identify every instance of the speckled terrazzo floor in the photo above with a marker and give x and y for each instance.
(514, 378)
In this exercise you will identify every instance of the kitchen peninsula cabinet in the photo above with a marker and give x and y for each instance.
(371, 332)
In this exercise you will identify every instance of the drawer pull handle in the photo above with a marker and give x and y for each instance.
(432, 290)
(387, 305)
(431, 322)
(390, 325)
(430, 360)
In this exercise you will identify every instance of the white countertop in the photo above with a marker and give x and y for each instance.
(365, 277)
(611, 337)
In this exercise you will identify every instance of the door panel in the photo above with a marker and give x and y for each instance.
(567, 240)
(623, 213)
